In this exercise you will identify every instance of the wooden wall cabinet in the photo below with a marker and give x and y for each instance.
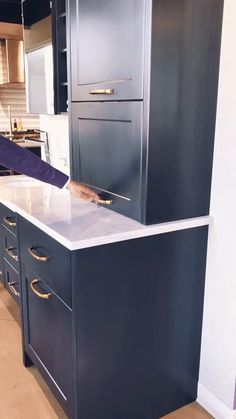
(161, 57)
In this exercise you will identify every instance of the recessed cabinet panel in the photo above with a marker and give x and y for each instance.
(48, 259)
(10, 248)
(107, 49)
(48, 336)
(8, 219)
(107, 148)
(12, 281)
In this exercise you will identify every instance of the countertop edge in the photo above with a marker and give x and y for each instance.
(145, 231)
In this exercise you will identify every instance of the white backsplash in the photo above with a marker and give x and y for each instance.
(57, 127)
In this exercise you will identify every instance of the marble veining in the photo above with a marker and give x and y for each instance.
(75, 223)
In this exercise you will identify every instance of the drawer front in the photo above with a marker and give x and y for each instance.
(10, 249)
(48, 335)
(8, 218)
(12, 281)
(47, 258)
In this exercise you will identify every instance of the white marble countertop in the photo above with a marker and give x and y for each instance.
(75, 223)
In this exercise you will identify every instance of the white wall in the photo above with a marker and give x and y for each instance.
(218, 356)
(58, 134)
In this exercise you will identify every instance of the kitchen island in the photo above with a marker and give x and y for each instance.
(111, 309)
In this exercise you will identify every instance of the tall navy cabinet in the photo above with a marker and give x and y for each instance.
(143, 94)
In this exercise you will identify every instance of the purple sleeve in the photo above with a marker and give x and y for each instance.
(23, 161)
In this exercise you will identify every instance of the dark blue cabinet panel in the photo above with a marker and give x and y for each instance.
(107, 151)
(107, 47)
(47, 258)
(175, 57)
(48, 336)
(10, 248)
(9, 219)
(12, 281)
(9, 255)
(139, 317)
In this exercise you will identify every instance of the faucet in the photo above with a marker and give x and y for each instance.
(46, 144)
(10, 135)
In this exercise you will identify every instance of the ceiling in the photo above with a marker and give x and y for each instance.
(10, 11)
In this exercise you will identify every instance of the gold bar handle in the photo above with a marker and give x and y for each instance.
(9, 251)
(12, 288)
(37, 257)
(39, 294)
(102, 201)
(102, 92)
(8, 221)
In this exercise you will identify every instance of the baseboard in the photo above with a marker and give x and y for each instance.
(214, 406)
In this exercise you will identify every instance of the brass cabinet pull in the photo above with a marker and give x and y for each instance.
(102, 201)
(37, 257)
(12, 288)
(9, 251)
(102, 92)
(9, 222)
(39, 294)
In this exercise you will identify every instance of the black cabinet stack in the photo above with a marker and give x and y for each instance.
(143, 91)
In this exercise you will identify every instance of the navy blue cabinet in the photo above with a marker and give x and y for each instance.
(9, 256)
(107, 49)
(138, 306)
(46, 310)
(103, 132)
(116, 333)
(163, 56)
(48, 335)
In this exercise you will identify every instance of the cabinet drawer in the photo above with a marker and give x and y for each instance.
(8, 218)
(12, 281)
(10, 249)
(48, 336)
(47, 258)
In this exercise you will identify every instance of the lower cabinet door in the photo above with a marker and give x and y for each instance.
(47, 322)
(12, 281)
(107, 152)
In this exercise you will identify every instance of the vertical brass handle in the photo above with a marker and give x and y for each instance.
(8, 221)
(102, 92)
(9, 251)
(39, 294)
(34, 255)
(12, 288)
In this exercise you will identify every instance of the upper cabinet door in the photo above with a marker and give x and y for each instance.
(107, 38)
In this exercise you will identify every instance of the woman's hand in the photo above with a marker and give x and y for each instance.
(82, 191)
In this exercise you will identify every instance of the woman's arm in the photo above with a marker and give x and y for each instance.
(23, 161)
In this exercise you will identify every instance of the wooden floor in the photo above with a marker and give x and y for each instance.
(23, 393)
